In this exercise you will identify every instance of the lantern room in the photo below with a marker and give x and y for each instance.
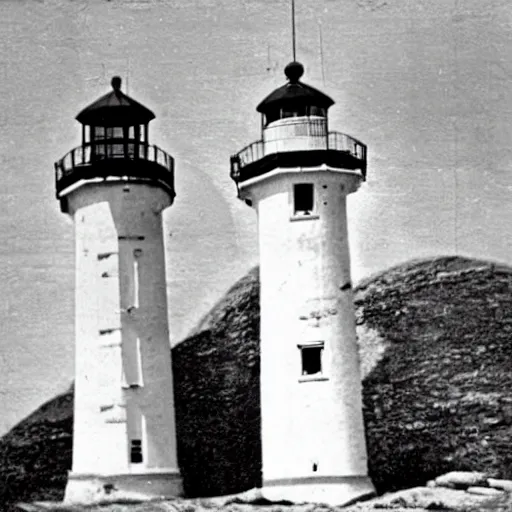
(294, 116)
(294, 121)
(115, 125)
(115, 145)
(294, 99)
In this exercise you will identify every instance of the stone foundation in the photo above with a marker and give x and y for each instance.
(83, 488)
(334, 491)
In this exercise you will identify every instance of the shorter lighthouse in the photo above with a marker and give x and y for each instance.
(297, 178)
(115, 186)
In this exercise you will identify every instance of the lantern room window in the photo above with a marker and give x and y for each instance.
(294, 111)
(99, 132)
(299, 111)
(106, 133)
(317, 111)
(115, 132)
(117, 141)
(270, 117)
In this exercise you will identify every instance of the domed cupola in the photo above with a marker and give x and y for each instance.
(115, 109)
(294, 99)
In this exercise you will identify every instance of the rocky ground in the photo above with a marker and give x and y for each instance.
(454, 491)
(435, 346)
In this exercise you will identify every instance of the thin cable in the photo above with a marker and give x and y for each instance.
(128, 75)
(293, 29)
(321, 51)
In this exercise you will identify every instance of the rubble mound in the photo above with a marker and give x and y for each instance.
(440, 398)
(454, 492)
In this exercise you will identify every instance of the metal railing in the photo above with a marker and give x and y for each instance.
(251, 153)
(74, 162)
(336, 141)
(342, 142)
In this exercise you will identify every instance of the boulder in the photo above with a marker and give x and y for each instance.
(462, 479)
(437, 498)
(485, 491)
(504, 485)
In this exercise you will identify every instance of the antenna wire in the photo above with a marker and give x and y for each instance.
(293, 30)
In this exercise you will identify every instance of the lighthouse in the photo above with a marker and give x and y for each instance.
(297, 178)
(115, 186)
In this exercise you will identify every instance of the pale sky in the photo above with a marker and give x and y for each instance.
(424, 83)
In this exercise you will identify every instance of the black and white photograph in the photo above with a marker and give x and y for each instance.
(256, 255)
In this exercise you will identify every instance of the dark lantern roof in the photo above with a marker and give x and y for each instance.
(115, 109)
(295, 92)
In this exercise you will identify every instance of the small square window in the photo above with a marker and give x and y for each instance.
(311, 359)
(303, 198)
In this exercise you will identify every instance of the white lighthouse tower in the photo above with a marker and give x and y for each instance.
(297, 177)
(116, 186)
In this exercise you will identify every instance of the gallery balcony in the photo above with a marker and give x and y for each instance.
(335, 149)
(126, 160)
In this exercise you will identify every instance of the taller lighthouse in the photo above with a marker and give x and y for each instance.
(297, 178)
(115, 186)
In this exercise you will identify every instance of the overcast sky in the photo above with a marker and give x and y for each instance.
(425, 83)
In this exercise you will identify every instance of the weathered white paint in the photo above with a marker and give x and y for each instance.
(295, 133)
(123, 383)
(313, 439)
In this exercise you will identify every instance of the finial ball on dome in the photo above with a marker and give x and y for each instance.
(294, 71)
(116, 83)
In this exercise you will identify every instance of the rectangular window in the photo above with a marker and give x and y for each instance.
(136, 451)
(288, 113)
(116, 150)
(99, 132)
(139, 365)
(131, 150)
(115, 132)
(132, 374)
(135, 283)
(311, 359)
(316, 111)
(137, 253)
(303, 198)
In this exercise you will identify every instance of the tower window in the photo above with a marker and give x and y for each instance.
(136, 270)
(136, 451)
(311, 359)
(303, 198)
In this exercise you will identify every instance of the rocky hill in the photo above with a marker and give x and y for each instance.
(436, 350)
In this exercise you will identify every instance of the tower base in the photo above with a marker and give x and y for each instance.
(92, 488)
(334, 491)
